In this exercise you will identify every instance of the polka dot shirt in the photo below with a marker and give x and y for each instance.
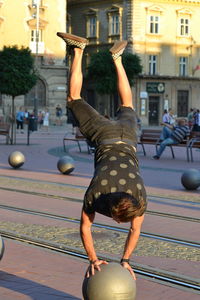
(116, 170)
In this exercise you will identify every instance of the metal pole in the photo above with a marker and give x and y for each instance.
(36, 55)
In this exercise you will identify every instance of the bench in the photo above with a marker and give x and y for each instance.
(194, 142)
(78, 138)
(152, 137)
(5, 130)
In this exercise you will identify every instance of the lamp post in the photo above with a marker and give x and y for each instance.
(36, 55)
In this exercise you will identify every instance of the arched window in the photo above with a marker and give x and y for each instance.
(37, 92)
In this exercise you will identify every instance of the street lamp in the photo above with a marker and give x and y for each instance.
(37, 3)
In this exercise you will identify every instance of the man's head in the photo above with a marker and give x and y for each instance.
(124, 207)
(182, 122)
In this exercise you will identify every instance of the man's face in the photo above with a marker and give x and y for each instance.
(182, 122)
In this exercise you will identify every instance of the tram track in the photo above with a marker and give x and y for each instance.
(83, 188)
(58, 197)
(158, 275)
(165, 238)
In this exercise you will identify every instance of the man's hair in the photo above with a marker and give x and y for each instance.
(124, 206)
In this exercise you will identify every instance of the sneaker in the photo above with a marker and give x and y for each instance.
(73, 40)
(156, 157)
(118, 49)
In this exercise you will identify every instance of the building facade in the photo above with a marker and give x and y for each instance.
(165, 36)
(33, 24)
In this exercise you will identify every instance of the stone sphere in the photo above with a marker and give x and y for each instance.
(16, 159)
(65, 164)
(2, 247)
(112, 282)
(191, 179)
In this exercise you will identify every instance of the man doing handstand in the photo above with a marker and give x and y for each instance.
(116, 189)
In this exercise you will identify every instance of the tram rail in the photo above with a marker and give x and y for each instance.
(150, 212)
(161, 276)
(165, 238)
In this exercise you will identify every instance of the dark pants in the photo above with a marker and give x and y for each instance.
(20, 124)
(99, 129)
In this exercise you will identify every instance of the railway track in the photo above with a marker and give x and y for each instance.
(161, 276)
(102, 226)
(150, 212)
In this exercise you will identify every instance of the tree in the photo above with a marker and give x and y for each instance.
(17, 75)
(102, 70)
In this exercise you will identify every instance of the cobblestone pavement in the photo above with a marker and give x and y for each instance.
(39, 185)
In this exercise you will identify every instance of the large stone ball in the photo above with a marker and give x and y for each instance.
(112, 282)
(2, 247)
(190, 179)
(65, 164)
(16, 159)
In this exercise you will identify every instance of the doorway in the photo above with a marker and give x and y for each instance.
(154, 110)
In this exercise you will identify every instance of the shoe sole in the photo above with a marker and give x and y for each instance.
(118, 46)
(72, 39)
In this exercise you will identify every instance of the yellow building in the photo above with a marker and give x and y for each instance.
(165, 34)
(33, 24)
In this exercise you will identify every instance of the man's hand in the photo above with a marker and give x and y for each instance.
(94, 266)
(128, 267)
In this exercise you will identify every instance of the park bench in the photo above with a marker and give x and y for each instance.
(194, 142)
(78, 138)
(5, 130)
(152, 137)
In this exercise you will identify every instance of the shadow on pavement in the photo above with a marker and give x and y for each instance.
(30, 288)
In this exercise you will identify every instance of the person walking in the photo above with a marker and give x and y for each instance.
(165, 117)
(58, 115)
(46, 120)
(20, 119)
(172, 135)
(196, 126)
(116, 189)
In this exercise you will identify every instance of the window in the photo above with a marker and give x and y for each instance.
(34, 35)
(114, 25)
(154, 24)
(92, 27)
(154, 19)
(184, 26)
(115, 22)
(183, 63)
(152, 64)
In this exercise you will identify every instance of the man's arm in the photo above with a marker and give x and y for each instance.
(167, 125)
(86, 236)
(131, 241)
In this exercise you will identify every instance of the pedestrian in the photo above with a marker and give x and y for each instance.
(116, 189)
(172, 117)
(46, 120)
(58, 115)
(165, 117)
(40, 118)
(190, 118)
(172, 135)
(196, 126)
(20, 119)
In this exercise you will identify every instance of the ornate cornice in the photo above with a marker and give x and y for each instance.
(32, 23)
(183, 2)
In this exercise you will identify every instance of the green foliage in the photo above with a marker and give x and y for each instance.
(102, 70)
(17, 73)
